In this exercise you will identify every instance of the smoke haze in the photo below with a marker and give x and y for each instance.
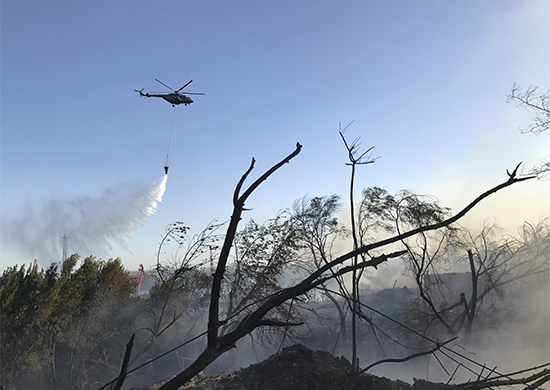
(92, 224)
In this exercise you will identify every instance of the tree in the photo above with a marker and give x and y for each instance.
(355, 158)
(539, 102)
(450, 301)
(533, 99)
(218, 343)
(430, 256)
(453, 301)
(19, 287)
(261, 255)
(49, 320)
(180, 294)
(424, 252)
(318, 228)
(496, 264)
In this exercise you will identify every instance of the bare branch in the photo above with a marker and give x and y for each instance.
(268, 322)
(410, 357)
(533, 99)
(238, 203)
(241, 182)
(217, 345)
(540, 378)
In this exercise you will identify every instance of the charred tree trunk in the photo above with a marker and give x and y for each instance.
(124, 367)
(471, 308)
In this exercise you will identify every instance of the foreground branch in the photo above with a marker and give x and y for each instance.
(410, 357)
(540, 378)
(238, 208)
(124, 367)
(217, 345)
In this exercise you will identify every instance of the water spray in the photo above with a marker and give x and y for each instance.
(93, 224)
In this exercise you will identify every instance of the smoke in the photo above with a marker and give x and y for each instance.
(92, 224)
(510, 335)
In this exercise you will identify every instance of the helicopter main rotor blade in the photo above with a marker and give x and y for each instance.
(164, 85)
(185, 86)
(194, 93)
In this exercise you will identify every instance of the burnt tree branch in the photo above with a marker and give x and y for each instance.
(410, 357)
(537, 379)
(124, 367)
(238, 207)
(217, 345)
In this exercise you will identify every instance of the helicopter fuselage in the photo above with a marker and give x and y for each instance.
(172, 98)
(177, 98)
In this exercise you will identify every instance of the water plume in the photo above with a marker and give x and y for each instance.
(92, 224)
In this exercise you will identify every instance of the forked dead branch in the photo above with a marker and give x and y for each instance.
(218, 344)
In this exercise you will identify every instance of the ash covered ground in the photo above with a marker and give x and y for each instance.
(298, 367)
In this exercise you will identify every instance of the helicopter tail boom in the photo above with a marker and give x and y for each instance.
(140, 91)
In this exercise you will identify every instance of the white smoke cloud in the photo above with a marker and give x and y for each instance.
(92, 224)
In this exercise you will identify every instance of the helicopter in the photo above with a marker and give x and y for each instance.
(173, 98)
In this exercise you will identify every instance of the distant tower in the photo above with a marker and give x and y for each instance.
(64, 238)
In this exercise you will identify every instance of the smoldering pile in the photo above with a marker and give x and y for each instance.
(298, 367)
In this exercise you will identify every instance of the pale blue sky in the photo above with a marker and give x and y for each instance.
(425, 82)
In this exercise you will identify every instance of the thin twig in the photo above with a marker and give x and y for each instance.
(413, 356)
